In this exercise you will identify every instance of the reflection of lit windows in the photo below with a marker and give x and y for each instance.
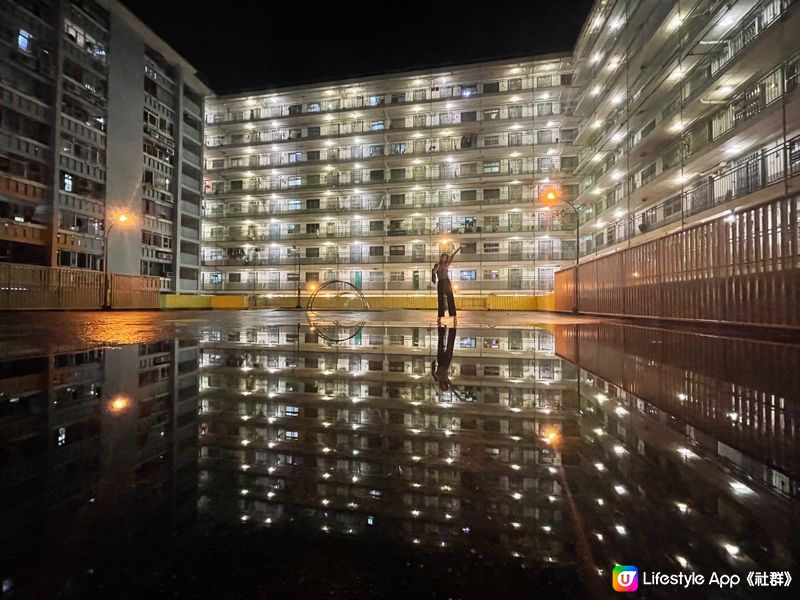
(24, 40)
(467, 342)
(292, 435)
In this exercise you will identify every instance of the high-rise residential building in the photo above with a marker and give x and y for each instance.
(668, 114)
(368, 181)
(100, 118)
(690, 151)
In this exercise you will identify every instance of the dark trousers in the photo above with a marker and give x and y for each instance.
(445, 291)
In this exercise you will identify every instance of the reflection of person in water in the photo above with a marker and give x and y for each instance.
(440, 368)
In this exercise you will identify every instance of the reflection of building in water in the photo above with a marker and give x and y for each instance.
(90, 436)
(361, 436)
(689, 448)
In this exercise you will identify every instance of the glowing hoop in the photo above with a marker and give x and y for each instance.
(331, 331)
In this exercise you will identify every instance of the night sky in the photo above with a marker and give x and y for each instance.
(247, 45)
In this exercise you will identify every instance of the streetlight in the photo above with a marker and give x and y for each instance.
(551, 197)
(121, 219)
(297, 254)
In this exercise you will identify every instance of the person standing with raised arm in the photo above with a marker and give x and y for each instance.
(444, 288)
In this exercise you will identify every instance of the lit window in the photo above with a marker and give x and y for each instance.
(67, 182)
(62, 436)
(292, 411)
(295, 181)
(294, 205)
(376, 125)
(491, 167)
(292, 435)
(467, 342)
(468, 275)
(24, 40)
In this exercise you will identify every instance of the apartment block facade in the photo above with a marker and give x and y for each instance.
(89, 134)
(369, 181)
(688, 112)
(667, 114)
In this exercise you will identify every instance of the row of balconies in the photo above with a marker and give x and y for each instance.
(505, 119)
(769, 168)
(469, 342)
(396, 153)
(422, 228)
(703, 74)
(377, 177)
(24, 233)
(233, 212)
(402, 99)
(493, 285)
(427, 259)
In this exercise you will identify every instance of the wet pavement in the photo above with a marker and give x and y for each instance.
(255, 454)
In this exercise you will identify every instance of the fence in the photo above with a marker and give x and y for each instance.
(29, 287)
(744, 268)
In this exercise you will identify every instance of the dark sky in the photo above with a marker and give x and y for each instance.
(243, 45)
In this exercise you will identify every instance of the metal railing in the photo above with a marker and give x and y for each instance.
(27, 287)
(739, 269)
(522, 284)
(765, 169)
(463, 259)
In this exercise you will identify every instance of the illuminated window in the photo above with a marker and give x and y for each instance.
(24, 40)
(67, 182)
(292, 435)
(468, 275)
(292, 411)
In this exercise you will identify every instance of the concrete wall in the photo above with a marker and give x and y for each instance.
(124, 159)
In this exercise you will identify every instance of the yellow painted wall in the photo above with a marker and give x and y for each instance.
(183, 302)
(490, 302)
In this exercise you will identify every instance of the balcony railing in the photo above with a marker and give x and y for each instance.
(24, 233)
(254, 287)
(345, 233)
(770, 167)
(255, 208)
(424, 259)
(272, 184)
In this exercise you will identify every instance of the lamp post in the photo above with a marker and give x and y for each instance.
(550, 197)
(121, 219)
(297, 254)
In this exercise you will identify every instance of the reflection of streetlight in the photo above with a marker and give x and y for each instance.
(118, 404)
(297, 254)
(121, 219)
(551, 197)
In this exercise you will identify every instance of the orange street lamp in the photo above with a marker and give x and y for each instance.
(552, 196)
(122, 219)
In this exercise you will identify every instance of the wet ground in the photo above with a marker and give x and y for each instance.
(258, 454)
